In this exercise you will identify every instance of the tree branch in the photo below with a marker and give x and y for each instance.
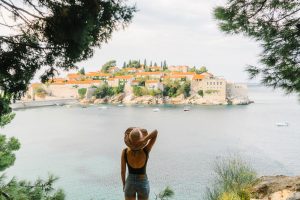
(20, 9)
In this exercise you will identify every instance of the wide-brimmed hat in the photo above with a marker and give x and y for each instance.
(128, 142)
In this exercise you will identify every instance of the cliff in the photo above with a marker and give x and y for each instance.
(277, 188)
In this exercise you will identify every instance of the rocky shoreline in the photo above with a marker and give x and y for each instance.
(277, 188)
(152, 100)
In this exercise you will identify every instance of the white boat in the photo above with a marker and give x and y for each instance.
(68, 106)
(103, 107)
(186, 109)
(120, 105)
(156, 110)
(282, 124)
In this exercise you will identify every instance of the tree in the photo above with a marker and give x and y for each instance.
(48, 35)
(165, 66)
(124, 65)
(150, 64)
(275, 24)
(145, 63)
(54, 35)
(14, 189)
(104, 90)
(107, 65)
(201, 70)
(134, 64)
(81, 71)
(155, 64)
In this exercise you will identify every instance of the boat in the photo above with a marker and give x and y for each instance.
(103, 107)
(156, 110)
(185, 109)
(282, 124)
(120, 105)
(68, 106)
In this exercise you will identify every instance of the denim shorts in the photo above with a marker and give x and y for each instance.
(137, 185)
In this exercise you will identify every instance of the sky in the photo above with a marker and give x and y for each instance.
(182, 33)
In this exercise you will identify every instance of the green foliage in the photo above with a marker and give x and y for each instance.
(275, 24)
(134, 64)
(105, 90)
(82, 92)
(138, 91)
(56, 36)
(82, 71)
(40, 92)
(166, 194)
(200, 92)
(175, 88)
(153, 92)
(198, 71)
(119, 89)
(6, 114)
(142, 91)
(184, 89)
(233, 180)
(7, 149)
(170, 88)
(201, 70)
(211, 91)
(142, 80)
(107, 65)
(38, 190)
(121, 72)
(165, 66)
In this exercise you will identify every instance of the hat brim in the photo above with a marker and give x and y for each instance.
(127, 140)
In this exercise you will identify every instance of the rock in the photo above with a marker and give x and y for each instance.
(85, 101)
(277, 188)
(98, 101)
(117, 98)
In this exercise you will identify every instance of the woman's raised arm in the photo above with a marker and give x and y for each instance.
(152, 137)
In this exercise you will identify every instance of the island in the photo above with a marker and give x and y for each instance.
(137, 83)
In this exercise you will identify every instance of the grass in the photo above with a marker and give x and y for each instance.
(166, 194)
(234, 179)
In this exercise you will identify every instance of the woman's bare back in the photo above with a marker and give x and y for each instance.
(136, 159)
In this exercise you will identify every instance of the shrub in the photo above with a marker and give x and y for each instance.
(184, 89)
(165, 194)
(138, 91)
(170, 88)
(82, 92)
(40, 92)
(155, 92)
(103, 91)
(119, 89)
(200, 92)
(233, 181)
(175, 88)
(211, 91)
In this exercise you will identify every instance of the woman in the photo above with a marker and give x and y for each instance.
(139, 144)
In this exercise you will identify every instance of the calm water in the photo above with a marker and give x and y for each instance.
(83, 145)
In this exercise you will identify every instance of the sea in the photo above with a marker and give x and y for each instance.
(82, 145)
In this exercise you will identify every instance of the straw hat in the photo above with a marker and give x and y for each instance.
(134, 134)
